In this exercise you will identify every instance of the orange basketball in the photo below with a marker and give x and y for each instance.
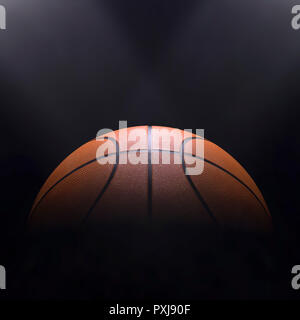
(81, 191)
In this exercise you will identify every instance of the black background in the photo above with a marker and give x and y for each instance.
(70, 68)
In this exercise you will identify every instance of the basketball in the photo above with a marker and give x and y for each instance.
(90, 189)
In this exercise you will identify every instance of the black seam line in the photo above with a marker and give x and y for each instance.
(84, 220)
(241, 182)
(146, 150)
(71, 172)
(149, 171)
(189, 179)
(226, 171)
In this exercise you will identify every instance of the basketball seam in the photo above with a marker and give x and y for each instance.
(146, 150)
(107, 182)
(198, 194)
